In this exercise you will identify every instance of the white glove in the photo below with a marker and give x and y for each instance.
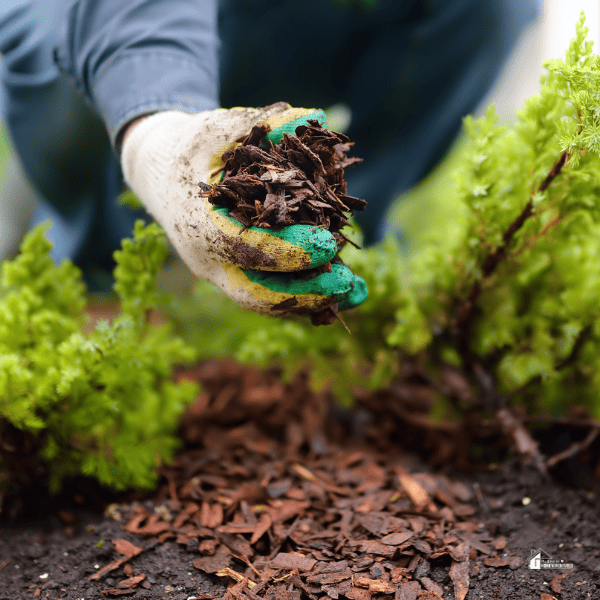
(164, 158)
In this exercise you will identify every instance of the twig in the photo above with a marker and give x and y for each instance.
(557, 167)
(575, 448)
(347, 239)
(299, 584)
(337, 316)
(525, 444)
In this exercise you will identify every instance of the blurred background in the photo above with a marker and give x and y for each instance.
(548, 38)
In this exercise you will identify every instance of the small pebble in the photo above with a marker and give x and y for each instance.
(422, 570)
(49, 585)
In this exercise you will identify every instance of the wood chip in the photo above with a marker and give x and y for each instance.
(211, 516)
(396, 539)
(408, 591)
(263, 525)
(432, 586)
(115, 564)
(131, 582)
(212, 564)
(512, 562)
(556, 584)
(126, 548)
(290, 560)
(375, 586)
(416, 492)
(459, 573)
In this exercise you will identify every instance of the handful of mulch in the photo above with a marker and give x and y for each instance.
(299, 181)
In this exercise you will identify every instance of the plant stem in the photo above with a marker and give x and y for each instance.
(466, 310)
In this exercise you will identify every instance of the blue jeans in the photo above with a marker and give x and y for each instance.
(74, 73)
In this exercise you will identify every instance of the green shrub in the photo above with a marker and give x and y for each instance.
(102, 403)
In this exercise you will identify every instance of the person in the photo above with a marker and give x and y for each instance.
(95, 90)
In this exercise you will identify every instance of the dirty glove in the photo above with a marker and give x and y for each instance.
(164, 158)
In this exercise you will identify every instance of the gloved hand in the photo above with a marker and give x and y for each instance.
(167, 154)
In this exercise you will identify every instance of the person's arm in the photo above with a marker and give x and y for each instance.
(136, 57)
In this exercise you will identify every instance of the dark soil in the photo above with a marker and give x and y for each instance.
(279, 494)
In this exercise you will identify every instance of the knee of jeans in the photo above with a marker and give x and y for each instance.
(502, 21)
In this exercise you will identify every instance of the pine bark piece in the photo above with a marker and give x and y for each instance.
(288, 560)
(460, 575)
(131, 582)
(126, 548)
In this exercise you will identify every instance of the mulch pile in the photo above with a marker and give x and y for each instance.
(279, 494)
(300, 180)
(276, 509)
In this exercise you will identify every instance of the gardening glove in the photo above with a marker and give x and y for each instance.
(164, 158)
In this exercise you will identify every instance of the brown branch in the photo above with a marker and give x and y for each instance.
(581, 339)
(574, 448)
(557, 167)
(466, 311)
(526, 446)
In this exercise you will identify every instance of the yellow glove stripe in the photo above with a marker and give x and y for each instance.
(309, 302)
(290, 256)
(291, 114)
(215, 162)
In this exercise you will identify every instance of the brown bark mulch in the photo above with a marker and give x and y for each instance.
(299, 181)
(278, 494)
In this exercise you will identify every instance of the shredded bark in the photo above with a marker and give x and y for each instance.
(276, 508)
(299, 181)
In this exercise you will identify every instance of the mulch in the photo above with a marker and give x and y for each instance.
(279, 494)
(298, 181)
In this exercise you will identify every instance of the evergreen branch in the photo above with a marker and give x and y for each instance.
(581, 339)
(466, 311)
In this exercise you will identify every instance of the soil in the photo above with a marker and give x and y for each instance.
(278, 493)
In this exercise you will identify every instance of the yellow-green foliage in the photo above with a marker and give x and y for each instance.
(101, 403)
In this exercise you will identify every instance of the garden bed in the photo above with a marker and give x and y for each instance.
(280, 494)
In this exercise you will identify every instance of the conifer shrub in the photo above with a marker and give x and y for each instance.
(102, 403)
(507, 292)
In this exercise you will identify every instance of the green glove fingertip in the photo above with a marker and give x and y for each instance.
(276, 134)
(356, 296)
(341, 284)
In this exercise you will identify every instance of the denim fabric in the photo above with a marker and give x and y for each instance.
(75, 71)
